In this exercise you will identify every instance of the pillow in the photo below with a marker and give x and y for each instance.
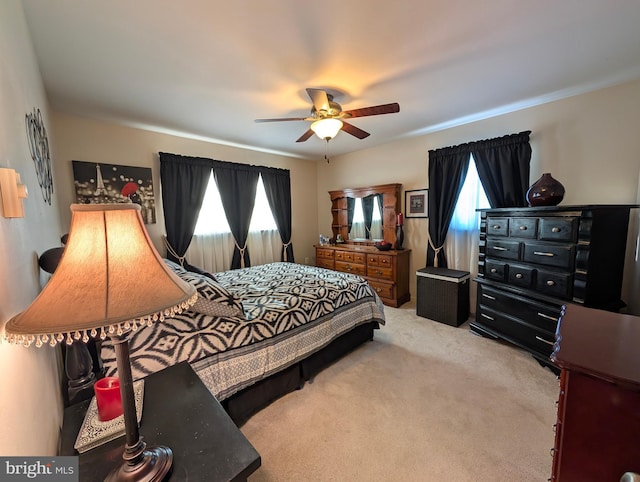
(213, 298)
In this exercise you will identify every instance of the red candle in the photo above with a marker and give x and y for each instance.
(400, 219)
(108, 398)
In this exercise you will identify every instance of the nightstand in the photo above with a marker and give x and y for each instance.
(178, 412)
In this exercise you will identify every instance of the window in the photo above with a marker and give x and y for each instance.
(212, 244)
(212, 219)
(472, 197)
(461, 245)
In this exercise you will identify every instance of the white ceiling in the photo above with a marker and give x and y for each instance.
(208, 68)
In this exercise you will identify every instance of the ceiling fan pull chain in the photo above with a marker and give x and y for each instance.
(326, 150)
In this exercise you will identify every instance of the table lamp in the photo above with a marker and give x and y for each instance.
(110, 281)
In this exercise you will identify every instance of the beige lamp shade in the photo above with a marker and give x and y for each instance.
(110, 279)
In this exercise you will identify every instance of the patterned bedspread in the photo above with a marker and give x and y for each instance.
(288, 311)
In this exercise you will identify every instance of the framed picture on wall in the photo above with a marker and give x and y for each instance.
(99, 182)
(416, 203)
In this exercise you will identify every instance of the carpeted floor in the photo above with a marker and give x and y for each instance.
(424, 401)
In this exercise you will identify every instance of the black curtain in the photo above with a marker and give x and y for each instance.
(447, 171)
(367, 212)
(184, 182)
(503, 168)
(277, 185)
(237, 184)
(351, 207)
(381, 208)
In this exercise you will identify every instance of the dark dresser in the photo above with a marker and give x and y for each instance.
(598, 422)
(534, 260)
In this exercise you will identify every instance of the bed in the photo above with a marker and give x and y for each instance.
(257, 333)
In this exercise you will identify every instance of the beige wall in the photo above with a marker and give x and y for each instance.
(30, 400)
(589, 142)
(94, 141)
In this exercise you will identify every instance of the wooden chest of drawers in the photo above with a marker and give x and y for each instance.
(534, 260)
(599, 401)
(386, 271)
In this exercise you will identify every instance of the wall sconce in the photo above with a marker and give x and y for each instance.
(13, 192)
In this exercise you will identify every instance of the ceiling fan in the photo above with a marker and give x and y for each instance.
(328, 118)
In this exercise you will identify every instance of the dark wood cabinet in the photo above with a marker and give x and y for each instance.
(534, 260)
(386, 271)
(598, 423)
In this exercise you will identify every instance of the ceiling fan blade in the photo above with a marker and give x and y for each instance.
(374, 110)
(320, 99)
(305, 136)
(282, 119)
(354, 131)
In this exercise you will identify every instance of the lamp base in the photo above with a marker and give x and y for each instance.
(153, 465)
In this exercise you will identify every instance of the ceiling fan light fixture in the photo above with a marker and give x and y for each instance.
(327, 128)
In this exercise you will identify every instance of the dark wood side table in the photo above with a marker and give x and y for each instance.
(178, 412)
(598, 425)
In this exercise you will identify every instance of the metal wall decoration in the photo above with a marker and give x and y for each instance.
(99, 182)
(39, 148)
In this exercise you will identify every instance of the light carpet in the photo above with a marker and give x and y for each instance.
(424, 401)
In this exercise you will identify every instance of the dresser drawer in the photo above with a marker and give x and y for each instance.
(325, 263)
(380, 272)
(517, 332)
(495, 270)
(522, 276)
(539, 314)
(350, 256)
(497, 226)
(523, 227)
(554, 284)
(498, 248)
(353, 268)
(383, 260)
(324, 253)
(559, 255)
(384, 290)
(558, 229)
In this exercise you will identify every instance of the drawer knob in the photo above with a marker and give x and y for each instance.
(519, 275)
(488, 296)
(542, 253)
(555, 230)
(496, 226)
(487, 317)
(500, 248)
(551, 283)
(523, 228)
(494, 270)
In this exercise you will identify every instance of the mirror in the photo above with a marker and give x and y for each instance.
(365, 215)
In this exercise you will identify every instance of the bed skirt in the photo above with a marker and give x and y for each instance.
(243, 404)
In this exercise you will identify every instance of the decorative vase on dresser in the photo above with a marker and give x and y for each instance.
(534, 260)
(546, 191)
